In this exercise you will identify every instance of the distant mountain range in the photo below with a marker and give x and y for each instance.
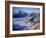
(20, 14)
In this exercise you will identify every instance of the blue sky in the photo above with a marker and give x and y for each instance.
(26, 9)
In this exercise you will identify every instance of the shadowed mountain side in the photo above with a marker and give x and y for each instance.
(20, 14)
